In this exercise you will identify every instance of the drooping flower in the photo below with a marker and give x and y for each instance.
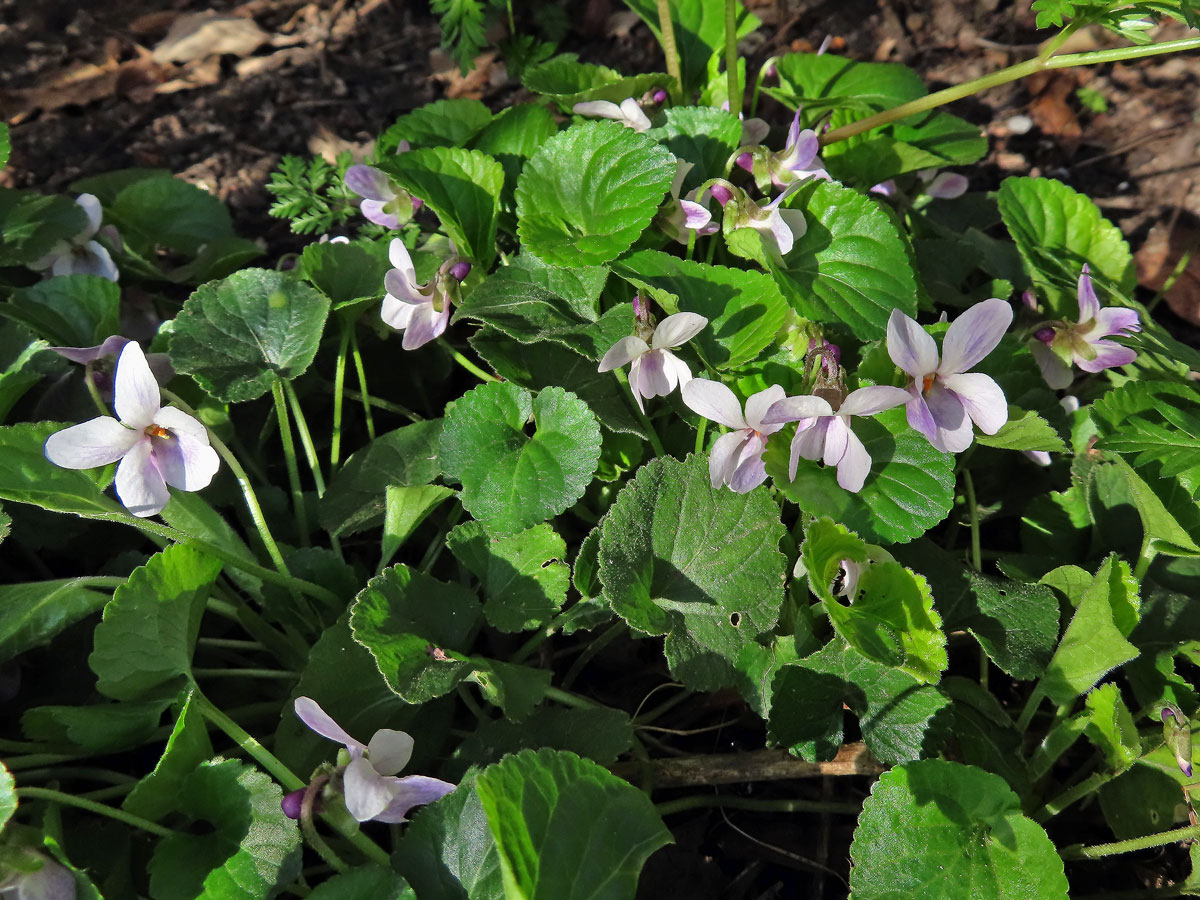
(1059, 344)
(628, 113)
(655, 370)
(421, 311)
(81, 255)
(110, 348)
(798, 161)
(32, 875)
(676, 217)
(369, 783)
(157, 445)
(823, 428)
(736, 458)
(938, 185)
(384, 203)
(779, 227)
(944, 397)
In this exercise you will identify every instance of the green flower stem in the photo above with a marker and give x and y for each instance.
(309, 829)
(471, 367)
(339, 388)
(93, 391)
(1073, 795)
(1099, 851)
(33, 793)
(666, 29)
(1004, 76)
(306, 441)
(243, 481)
(108, 793)
(267, 674)
(566, 698)
(702, 801)
(439, 543)
(973, 512)
(34, 760)
(609, 635)
(538, 638)
(365, 395)
(87, 773)
(385, 405)
(1031, 706)
(644, 718)
(231, 643)
(703, 427)
(283, 774)
(289, 456)
(731, 58)
(651, 434)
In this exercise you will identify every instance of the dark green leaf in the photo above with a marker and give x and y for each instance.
(32, 614)
(169, 212)
(188, 746)
(443, 123)
(1015, 623)
(70, 310)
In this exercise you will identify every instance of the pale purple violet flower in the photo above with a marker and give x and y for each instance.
(1059, 344)
(799, 160)
(81, 255)
(736, 458)
(383, 203)
(35, 876)
(370, 786)
(823, 431)
(944, 398)
(655, 370)
(111, 347)
(781, 226)
(754, 131)
(421, 311)
(157, 446)
(677, 217)
(943, 185)
(628, 113)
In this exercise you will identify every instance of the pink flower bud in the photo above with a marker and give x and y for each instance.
(721, 193)
(1029, 300)
(292, 802)
(1045, 335)
(660, 95)
(746, 161)
(460, 270)
(417, 203)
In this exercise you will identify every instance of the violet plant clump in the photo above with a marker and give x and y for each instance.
(650, 443)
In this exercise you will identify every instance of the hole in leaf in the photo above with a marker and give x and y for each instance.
(735, 619)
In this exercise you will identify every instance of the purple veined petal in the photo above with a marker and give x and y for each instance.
(714, 401)
(854, 466)
(754, 131)
(793, 136)
(677, 329)
(140, 486)
(947, 186)
(973, 335)
(1038, 457)
(97, 442)
(868, 401)
(636, 385)
(178, 420)
(920, 417)
(1089, 303)
(695, 216)
(389, 751)
(375, 211)
(911, 347)
(982, 399)
(604, 108)
(1108, 356)
(367, 793)
(369, 183)
(836, 431)
(425, 325)
(954, 432)
(793, 409)
(809, 442)
(410, 791)
(110, 346)
(750, 470)
(310, 713)
(135, 392)
(757, 406)
(624, 351)
(396, 312)
(805, 151)
(796, 223)
(723, 457)
(396, 283)
(1056, 373)
(884, 188)
(655, 381)
(185, 461)
(401, 261)
(676, 370)
(1113, 320)
(91, 208)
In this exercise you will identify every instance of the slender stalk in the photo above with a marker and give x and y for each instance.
(385, 405)
(1099, 851)
(973, 512)
(566, 698)
(309, 829)
(651, 434)
(700, 435)
(666, 30)
(1052, 46)
(266, 674)
(362, 384)
(289, 456)
(306, 441)
(33, 793)
(88, 773)
(93, 391)
(231, 643)
(731, 58)
(339, 388)
(1004, 76)
(1031, 706)
(1073, 795)
(589, 653)
(471, 367)
(248, 494)
(701, 801)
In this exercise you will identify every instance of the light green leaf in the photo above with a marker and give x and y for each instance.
(909, 490)
(696, 563)
(462, 187)
(188, 746)
(516, 132)
(820, 82)
(246, 848)
(699, 34)
(567, 81)
(1159, 523)
(744, 309)
(357, 496)
(515, 689)
(580, 286)
(1111, 728)
(149, 628)
(588, 193)
(565, 828)
(32, 614)
(523, 579)
(1157, 420)
(238, 336)
(944, 831)
(701, 135)
(1095, 641)
(8, 795)
(1025, 430)
(31, 225)
(512, 480)
(1142, 801)
(69, 310)
(405, 508)
(164, 211)
(850, 267)
(100, 728)
(346, 273)
(1015, 623)
(369, 882)
(443, 123)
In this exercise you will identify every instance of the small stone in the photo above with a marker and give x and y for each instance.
(1019, 124)
(1010, 162)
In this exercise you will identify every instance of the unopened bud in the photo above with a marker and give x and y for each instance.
(660, 95)
(1045, 335)
(292, 802)
(1029, 300)
(417, 203)
(1178, 737)
(721, 193)
(460, 270)
(746, 161)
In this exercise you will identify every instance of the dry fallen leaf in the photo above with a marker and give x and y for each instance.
(1156, 260)
(204, 34)
(474, 83)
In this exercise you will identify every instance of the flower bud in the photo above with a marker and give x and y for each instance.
(721, 193)
(417, 203)
(1045, 335)
(460, 270)
(746, 161)
(1029, 300)
(292, 802)
(660, 95)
